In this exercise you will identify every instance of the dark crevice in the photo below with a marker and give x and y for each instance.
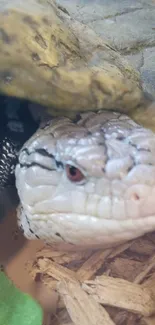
(125, 12)
(138, 47)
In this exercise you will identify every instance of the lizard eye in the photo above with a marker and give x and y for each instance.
(74, 174)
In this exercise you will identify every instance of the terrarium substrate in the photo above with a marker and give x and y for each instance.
(112, 286)
(107, 287)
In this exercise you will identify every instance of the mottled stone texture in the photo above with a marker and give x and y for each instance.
(50, 58)
(128, 25)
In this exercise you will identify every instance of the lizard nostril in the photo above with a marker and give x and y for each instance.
(135, 197)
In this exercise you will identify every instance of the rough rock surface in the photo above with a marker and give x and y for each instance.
(50, 58)
(128, 25)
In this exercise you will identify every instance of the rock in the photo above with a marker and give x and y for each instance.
(58, 62)
(148, 70)
(136, 60)
(135, 28)
(88, 11)
(127, 25)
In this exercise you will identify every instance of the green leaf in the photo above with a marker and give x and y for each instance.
(17, 308)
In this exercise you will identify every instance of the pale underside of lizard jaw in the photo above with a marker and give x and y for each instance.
(115, 199)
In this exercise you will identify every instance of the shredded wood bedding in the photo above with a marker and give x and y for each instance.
(110, 287)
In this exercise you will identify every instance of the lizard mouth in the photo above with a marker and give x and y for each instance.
(83, 231)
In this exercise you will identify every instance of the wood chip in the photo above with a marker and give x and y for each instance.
(150, 283)
(150, 264)
(125, 268)
(148, 321)
(120, 249)
(126, 302)
(62, 257)
(92, 265)
(56, 271)
(142, 246)
(82, 308)
(51, 284)
(121, 293)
